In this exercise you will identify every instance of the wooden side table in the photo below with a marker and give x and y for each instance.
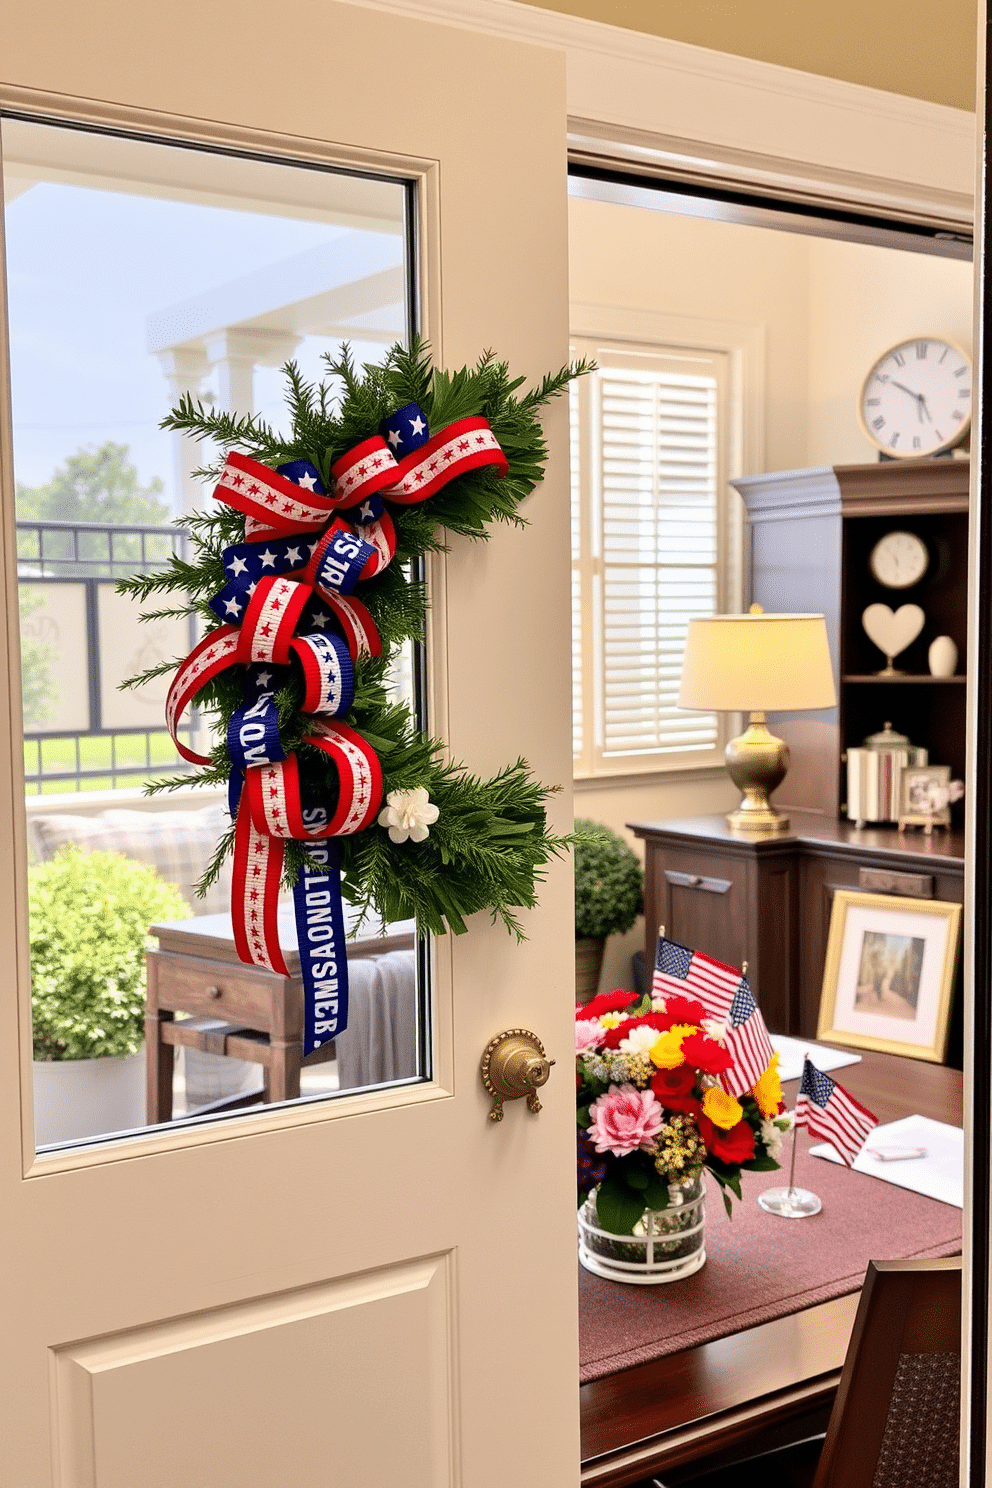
(196, 971)
(766, 899)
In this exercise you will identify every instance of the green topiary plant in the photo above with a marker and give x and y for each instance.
(609, 882)
(89, 932)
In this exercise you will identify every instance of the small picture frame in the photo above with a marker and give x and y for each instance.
(889, 974)
(922, 789)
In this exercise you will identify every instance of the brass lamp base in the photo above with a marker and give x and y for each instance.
(757, 762)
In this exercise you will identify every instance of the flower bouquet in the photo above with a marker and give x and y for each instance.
(653, 1112)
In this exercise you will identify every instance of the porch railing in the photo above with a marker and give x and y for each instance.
(92, 555)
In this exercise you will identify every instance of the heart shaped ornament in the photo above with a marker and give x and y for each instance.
(892, 631)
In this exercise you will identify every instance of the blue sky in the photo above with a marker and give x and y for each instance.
(84, 269)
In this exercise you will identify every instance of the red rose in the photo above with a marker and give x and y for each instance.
(613, 1036)
(734, 1146)
(706, 1054)
(607, 1002)
(674, 1089)
(682, 1010)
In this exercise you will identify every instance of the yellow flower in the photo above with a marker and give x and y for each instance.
(768, 1090)
(722, 1109)
(666, 1052)
(610, 1020)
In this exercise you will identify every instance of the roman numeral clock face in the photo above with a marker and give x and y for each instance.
(916, 400)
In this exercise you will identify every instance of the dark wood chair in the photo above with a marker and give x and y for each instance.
(896, 1417)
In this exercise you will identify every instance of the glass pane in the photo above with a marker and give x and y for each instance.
(139, 273)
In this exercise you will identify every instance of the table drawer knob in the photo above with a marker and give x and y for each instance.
(213, 992)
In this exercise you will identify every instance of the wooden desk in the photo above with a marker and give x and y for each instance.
(766, 898)
(772, 1382)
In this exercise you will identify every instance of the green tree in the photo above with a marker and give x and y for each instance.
(99, 485)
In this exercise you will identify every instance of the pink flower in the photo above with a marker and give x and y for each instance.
(624, 1119)
(588, 1034)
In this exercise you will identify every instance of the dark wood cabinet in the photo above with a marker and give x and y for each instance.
(810, 533)
(767, 900)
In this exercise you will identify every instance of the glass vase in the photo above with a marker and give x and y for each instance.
(667, 1244)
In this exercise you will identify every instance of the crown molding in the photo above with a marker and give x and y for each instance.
(673, 109)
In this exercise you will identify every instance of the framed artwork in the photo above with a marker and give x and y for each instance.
(889, 974)
(924, 793)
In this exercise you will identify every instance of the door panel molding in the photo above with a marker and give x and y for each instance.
(284, 1355)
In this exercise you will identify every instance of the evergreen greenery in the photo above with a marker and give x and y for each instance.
(89, 932)
(609, 882)
(490, 844)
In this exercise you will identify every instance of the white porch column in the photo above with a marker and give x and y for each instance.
(236, 352)
(187, 368)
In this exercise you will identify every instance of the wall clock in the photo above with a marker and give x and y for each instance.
(916, 399)
(899, 559)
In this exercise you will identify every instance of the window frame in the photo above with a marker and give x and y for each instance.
(599, 331)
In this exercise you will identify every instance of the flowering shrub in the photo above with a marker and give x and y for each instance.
(652, 1110)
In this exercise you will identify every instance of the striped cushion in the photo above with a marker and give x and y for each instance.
(180, 844)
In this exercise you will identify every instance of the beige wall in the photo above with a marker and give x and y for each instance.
(916, 47)
(826, 311)
(862, 300)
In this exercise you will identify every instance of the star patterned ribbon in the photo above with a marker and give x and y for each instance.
(289, 602)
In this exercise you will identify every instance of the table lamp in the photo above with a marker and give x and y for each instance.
(757, 664)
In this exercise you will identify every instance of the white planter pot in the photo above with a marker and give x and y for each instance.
(76, 1098)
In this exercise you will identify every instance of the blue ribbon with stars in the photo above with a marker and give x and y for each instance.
(405, 430)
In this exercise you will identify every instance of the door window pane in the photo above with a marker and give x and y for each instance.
(137, 273)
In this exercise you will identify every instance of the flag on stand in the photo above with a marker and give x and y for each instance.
(826, 1109)
(725, 994)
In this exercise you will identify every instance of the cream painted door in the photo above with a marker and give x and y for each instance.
(378, 1290)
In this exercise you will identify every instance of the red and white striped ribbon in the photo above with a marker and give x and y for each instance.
(269, 622)
(463, 446)
(370, 467)
(269, 499)
(360, 631)
(208, 658)
(258, 860)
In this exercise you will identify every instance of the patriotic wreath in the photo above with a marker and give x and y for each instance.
(306, 579)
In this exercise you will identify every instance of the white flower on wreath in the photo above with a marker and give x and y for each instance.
(408, 813)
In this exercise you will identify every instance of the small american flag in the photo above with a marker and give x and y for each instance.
(830, 1113)
(725, 994)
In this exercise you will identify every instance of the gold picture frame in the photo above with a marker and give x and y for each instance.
(889, 974)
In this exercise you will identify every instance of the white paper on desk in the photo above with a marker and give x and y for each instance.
(791, 1051)
(939, 1175)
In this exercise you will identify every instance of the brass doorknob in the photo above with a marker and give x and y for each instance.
(514, 1064)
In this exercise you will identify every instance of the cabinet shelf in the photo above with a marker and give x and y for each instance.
(812, 533)
(908, 677)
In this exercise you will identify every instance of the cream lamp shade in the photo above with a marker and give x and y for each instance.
(745, 663)
(757, 664)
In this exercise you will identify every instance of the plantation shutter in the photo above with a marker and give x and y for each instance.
(648, 477)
